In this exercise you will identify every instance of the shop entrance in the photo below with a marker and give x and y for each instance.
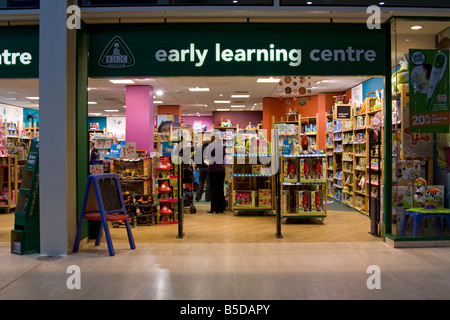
(240, 108)
(119, 54)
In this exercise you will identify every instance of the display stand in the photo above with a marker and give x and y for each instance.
(374, 181)
(25, 238)
(10, 182)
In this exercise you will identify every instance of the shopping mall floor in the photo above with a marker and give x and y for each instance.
(229, 257)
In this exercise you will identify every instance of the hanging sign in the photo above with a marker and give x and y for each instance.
(342, 111)
(428, 91)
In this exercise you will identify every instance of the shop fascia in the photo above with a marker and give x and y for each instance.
(15, 58)
(270, 54)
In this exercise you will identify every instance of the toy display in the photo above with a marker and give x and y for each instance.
(304, 201)
(265, 198)
(405, 172)
(244, 198)
(313, 169)
(290, 170)
(429, 197)
(317, 201)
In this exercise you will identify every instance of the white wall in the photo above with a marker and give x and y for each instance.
(11, 114)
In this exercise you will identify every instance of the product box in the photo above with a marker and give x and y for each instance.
(285, 201)
(291, 170)
(405, 172)
(313, 169)
(244, 198)
(429, 196)
(265, 198)
(303, 201)
(317, 201)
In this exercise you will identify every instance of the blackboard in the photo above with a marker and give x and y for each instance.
(343, 112)
(110, 195)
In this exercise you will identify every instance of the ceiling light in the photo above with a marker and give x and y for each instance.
(159, 93)
(223, 109)
(240, 96)
(381, 3)
(197, 89)
(309, 2)
(157, 102)
(416, 27)
(112, 110)
(33, 98)
(95, 114)
(122, 81)
(222, 101)
(92, 102)
(238, 106)
(268, 80)
(124, 107)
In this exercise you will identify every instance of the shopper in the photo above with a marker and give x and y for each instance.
(215, 154)
(93, 153)
(203, 175)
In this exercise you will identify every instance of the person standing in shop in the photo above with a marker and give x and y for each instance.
(93, 153)
(203, 175)
(215, 154)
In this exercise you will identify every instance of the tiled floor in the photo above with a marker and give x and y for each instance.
(249, 264)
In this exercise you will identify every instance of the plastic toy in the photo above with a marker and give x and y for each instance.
(166, 209)
(164, 164)
(164, 187)
(305, 143)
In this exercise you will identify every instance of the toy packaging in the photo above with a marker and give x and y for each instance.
(304, 201)
(405, 172)
(264, 198)
(313, 169)
(244, 198)
(285, 201)
(290, 170)
(429, 196)
(317, 201)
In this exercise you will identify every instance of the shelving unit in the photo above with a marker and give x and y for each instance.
(351, 162)
(303, 186)
(167, 191)
(329, 147)
(309, 127)
(9, 182)
(137, 178)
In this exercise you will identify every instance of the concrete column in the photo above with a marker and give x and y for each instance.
(57, 128)
(140, 124)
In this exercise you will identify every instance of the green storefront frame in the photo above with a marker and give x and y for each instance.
(287, 36)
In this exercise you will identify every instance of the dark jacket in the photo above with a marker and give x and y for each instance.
(211, 150)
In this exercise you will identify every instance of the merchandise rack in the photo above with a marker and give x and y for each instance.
(299, 190)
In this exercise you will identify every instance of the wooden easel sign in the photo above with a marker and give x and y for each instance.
(103, 201)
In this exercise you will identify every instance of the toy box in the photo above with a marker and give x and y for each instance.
(265, 198)
(429, 196)
(285, 201)
(313, 169)
(317, 201)
(291, 170)
(405, 172)
(244, 198)
(304, 201)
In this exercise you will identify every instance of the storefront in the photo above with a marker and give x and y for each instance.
(286, 50)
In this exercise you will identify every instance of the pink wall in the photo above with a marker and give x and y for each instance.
(241, 118)
(204, 120)
(139, 116)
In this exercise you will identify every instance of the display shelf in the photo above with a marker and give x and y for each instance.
(303, 186)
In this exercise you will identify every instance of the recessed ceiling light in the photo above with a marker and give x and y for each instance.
(157, 102)
(238, 106)
(125, 81)
(223, 109)
(112, 110)
(92, 102)
(95, 114)
(222, 101)
(124, 107)
(381, 3)
(240, 96)
(159, 93)
(197, 89)
(416, 27)
(309, 2)
(33, 98)
(268, 80)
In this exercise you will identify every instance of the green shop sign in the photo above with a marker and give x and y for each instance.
(429, 89)
(235, 50)
(19, 52)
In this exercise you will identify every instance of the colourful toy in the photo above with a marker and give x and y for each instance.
(165, 209)
(430, 197)
(164, 164)
(305, 143)
(164, 187)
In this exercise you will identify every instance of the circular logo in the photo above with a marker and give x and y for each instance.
(418, 58)
(302, 101)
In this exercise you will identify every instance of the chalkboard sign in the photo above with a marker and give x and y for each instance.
(111, 197)
(343, 111)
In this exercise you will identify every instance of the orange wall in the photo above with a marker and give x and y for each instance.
(319, 105)
(173, 110)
